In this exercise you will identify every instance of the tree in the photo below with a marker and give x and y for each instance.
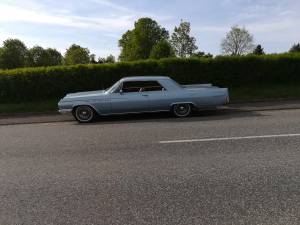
(237, 42)
(295, 48)
(110, 59)
(202, 55)
(101, 60)
(127, 45)
(162, 49)
(137, 43)
(13, 54)
(258, 50)
(77, 55)
(93, 59)
(38, 56)
(1, 59)
(55, 58)
(183, 44)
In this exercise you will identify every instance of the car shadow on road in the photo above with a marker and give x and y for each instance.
(207, 115)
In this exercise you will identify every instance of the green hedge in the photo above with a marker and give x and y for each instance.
(53, 82)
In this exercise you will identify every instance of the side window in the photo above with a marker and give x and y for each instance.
(141, 86)
(131, 86)
(152, 86)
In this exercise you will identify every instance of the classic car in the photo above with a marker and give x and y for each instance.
(143, 94)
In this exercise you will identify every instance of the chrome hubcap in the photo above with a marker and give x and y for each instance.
(182, 109)
(84, 113)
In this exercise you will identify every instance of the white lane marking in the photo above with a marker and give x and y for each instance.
(229, 138)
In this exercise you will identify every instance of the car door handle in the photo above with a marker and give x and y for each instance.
(145, 95)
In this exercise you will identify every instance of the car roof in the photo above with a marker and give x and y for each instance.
(144, 78)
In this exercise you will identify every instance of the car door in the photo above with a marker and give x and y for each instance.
(129, 99)
(159, 97)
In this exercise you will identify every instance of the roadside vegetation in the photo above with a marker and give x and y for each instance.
(33, 79)
(28, 107)
(237, 94)
(248, 77)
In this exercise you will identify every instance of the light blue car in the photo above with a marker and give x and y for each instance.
(143, 94)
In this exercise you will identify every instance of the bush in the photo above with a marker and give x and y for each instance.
(29, 84)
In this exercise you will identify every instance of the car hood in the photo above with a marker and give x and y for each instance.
(86, 94)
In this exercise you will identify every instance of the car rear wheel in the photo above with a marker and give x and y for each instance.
(84, 114)
(182, 110)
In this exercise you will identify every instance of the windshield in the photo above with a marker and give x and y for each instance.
(114, 87)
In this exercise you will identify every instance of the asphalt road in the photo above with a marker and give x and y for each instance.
(213, 168)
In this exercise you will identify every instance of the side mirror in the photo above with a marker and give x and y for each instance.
(121, 91)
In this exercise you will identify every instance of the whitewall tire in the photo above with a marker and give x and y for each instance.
(84, 114)
(182, 110)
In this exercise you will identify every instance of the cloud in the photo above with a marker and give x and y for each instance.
(65, 19)
(99, 23)
(10, 13)
(117, 7)
(31, 11)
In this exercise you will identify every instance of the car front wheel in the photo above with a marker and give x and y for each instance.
(182, 110)
(84, 114)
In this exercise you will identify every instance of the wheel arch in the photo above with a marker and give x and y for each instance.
(178, 103)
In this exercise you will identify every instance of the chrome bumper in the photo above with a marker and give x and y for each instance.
(65, 111)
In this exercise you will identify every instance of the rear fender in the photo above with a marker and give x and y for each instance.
(177, 103)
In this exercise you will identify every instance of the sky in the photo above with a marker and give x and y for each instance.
(99, 24)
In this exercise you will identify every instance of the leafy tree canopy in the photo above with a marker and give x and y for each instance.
(38, 56)
(238, 41)
(76, 54)
(295, 48)
(162, 49)
(93, 59)
(1, 59)
(13, 54)
(202, 55)
(54, 57)
(137, 43)
(258, 50)
(108, 59)
(183, 43)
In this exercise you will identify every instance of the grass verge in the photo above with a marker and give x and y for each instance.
(257, 93)
(266, 92)
(28, 107)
